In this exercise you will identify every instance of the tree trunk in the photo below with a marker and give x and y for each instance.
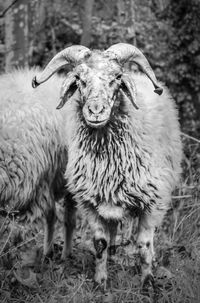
(36, 15)
(16, 35)
(87, 20)
(36, 19)
(126, 20)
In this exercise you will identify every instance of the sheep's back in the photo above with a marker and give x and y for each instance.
(30, 137)
(157, 123)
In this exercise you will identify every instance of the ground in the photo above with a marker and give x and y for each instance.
(26, 277)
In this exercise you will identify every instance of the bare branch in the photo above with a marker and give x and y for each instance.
(190, 137)
(7, 8)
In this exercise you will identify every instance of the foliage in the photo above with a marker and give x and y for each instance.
(183, 59)
(62, 28)
(168, 35)
(168, 32)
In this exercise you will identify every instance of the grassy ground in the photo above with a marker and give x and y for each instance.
(26, 277)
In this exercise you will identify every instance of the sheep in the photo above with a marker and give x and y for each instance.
(32, 153)
(123, 144)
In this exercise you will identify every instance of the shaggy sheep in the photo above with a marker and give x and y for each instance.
(124, 148)
(32, 152)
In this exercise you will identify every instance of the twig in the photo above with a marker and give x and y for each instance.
(10, 233)
(76, 291)
(65, 22)
(7, 9)
(1, 228)
(53, 35)
(182, 197)
(190, 137)
(40, 299)
(21, 244)
(185, 217)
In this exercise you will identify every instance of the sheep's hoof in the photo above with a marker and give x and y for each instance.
(65, 255)
(148, 282)
(101, 279)
(112, 250)
(63, 258)
(48, 255)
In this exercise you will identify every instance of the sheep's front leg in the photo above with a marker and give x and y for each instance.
(100, 241)
(69, 225)
(112, 227)
(145, 237)
(145, 248)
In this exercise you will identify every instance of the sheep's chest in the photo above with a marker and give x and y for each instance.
(108, 172)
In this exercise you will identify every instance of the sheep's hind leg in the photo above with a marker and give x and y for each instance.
(69, 225)
(47, 205)
(49, 227)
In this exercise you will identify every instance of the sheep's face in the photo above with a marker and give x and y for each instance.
(98, 90)
(98, 81)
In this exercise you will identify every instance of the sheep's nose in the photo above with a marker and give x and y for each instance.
(96, 109)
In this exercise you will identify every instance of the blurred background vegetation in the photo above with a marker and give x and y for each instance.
(167, 31)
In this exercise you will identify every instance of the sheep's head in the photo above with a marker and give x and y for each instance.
(98, 77)
(98, 81)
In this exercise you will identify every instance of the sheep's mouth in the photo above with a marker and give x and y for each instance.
(97, 124)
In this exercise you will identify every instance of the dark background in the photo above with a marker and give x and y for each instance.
(167, 31)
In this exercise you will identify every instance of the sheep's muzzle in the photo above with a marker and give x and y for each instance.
(96, 113)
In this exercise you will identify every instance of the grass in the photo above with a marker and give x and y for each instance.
(26, 277)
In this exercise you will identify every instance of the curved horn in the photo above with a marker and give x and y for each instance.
(70, 55)
(126, 52)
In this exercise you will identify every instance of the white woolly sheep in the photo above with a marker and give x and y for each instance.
(32, 153)
(124, 147)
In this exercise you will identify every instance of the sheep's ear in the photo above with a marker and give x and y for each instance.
(128, 89)
(68, 89)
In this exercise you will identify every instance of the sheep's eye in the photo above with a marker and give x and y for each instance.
(83, 83)
(111, 82)
(119, 77)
